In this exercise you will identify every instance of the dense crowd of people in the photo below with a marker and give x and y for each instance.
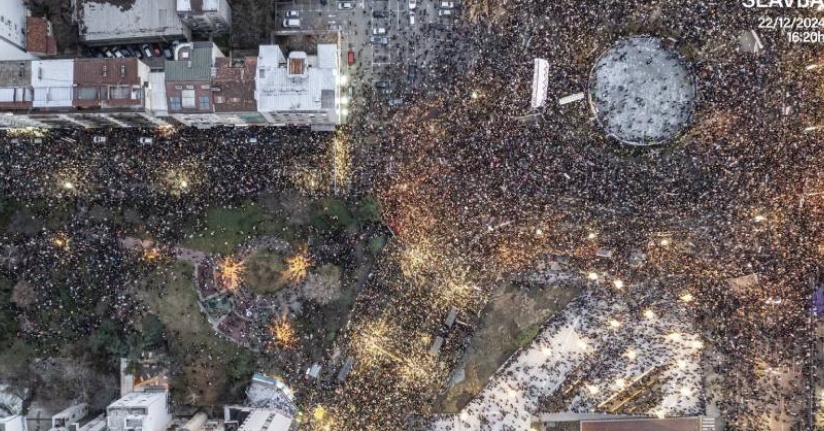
(477, 187)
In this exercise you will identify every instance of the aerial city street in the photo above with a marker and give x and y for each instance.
(422, 215)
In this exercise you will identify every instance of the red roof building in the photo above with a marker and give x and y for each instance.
(40, 37)
(110, 83)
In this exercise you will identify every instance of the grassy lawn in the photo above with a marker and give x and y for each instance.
(208, 364)
(263, 272)
(223, 228)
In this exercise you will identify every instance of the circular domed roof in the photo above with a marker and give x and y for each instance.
(641, 92)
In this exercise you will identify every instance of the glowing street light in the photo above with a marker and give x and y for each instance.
(687, 297)
(621, 383)
(618, 284)
(68, 185)
(631, 354)
(811, 129)
(593, 389)
(649, 314)
(592, 235)
(614, 323)
(759, 218)
(592, 276)
(665, 242)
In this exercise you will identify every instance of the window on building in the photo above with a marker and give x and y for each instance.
(204, 102)
(204, 87)
(188, 98)
(178, 87)
(174, 103)
(120, 92)
(105, 71)
(219, 100)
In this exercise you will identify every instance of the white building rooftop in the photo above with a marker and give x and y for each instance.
(101, 21)
(281, 87)
(138, 399)
(266, 420)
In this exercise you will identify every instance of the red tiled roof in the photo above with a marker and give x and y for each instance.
(672, 424)
(106, 71)
(39, 37)
(234, 86)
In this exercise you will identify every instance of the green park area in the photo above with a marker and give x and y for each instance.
(209, 368)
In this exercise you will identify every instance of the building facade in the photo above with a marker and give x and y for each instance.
(200, 88)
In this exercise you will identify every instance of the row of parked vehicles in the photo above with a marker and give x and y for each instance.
(146, 50)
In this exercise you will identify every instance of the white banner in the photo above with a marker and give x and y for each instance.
(540, 83)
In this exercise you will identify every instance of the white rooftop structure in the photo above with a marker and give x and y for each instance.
(266, 420)
(12, 423)
(147, 411)
(298, 84)
(208, 5)
(53, 82)
(13, 31)
(101, 22)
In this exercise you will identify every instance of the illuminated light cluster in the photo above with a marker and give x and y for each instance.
(230, 273)
(283, 333)
(297, 266)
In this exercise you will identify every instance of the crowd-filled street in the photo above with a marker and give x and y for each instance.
(700, 255)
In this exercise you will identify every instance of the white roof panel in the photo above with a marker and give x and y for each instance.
(146, 18)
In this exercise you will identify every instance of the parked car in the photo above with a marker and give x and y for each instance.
(137, 51)
(447, 5)
(381, 84)
(156, 50)
(380, 14)
(383, 40)
(350, 57)
(394, 102)
(346, 5)
(147, 50)
(108, 53)
(167, 53)
(291, 23)
(380, 31)
(99, 139)
(146, 141)
(292, 14)
(252, 141)
(411, 18)
(412, 4)
(445, 12)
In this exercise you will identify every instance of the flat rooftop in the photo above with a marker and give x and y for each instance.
(101, 21)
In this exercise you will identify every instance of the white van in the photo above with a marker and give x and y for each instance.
(291, 23)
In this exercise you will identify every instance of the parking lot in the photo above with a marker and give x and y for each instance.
(386, 37)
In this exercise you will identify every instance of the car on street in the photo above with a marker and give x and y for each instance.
(382, 40)
(291, 23)
(252, 141)
(292, 14)
(99, 139)
(146, 141)
(411, 18)
(380, 14)
(382, 84)
(395, 102)
(412, 4)
(380, 31)
(445, 12)
(447, 5)
(350, 57)
(346, 5)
